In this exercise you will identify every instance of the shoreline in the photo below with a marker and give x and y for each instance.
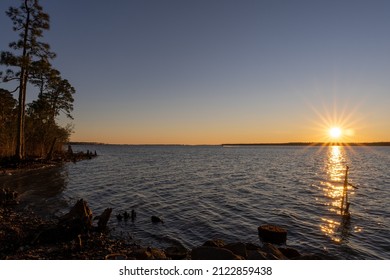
(9, 166)
(26, 236)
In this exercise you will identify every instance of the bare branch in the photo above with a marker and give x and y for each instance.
(15, 89)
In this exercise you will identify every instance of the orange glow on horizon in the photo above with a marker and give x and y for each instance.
(338, 125)
(327, 126)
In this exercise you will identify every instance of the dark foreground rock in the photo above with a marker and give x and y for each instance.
(76, 236)
(219, 250)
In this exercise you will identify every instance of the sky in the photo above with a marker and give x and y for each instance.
(221, 71)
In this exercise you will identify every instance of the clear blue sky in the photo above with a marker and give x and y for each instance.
(209, 72)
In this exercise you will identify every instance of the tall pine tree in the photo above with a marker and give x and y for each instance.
(29, 21)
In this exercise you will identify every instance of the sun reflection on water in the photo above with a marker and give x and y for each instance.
(330, 227)
(336, 162)
(335, 172)
(336, 226)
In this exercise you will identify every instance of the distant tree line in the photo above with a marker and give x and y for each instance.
(32, 129)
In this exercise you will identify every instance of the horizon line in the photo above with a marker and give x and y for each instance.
(375, 143)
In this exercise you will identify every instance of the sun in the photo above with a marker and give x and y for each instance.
(335, 132)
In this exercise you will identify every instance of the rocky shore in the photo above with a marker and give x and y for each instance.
(80, 236)
(9, 166)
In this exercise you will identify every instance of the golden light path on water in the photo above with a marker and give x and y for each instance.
(338, 226)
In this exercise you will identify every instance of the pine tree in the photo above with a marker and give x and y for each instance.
(29, 21)
(55, 97)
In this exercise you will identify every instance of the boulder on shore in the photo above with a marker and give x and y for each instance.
(238, 248)
(273, 253)
(176, 252)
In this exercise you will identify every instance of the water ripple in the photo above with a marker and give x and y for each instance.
(215, 192)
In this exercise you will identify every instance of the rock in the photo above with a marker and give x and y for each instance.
(213, 253)
(176, 253)
(158, 254)
(149, 254)
(272, 234)
(273, 252)
(255, 252)
(290, 253)
(237, 248)
(116, 256)
(215, 243)
(256, 255)
(142, 254)
(251, 246)
(156, 220)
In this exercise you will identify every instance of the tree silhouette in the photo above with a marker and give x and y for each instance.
(29, 21)
(53, 90)
(7, 121)
(30, 63)
(55, 97)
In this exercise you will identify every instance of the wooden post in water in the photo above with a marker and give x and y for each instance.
(345, 211)
(345, 194)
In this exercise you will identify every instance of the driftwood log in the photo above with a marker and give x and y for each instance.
(71, 226)
(80, 215)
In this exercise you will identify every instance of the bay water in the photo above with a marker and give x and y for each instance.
(209, 192)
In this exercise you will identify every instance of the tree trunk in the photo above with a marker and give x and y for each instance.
(50, 154)
(20, 147)
(20, 127)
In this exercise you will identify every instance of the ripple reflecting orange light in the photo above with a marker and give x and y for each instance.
(336, 227)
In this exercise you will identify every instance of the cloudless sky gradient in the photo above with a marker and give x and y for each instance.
(221, 71)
